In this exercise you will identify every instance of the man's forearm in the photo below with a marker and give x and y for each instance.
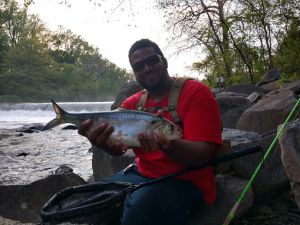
(190, 152)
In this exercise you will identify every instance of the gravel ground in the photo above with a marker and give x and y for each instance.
(281, 210)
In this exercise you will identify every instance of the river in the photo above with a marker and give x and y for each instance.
(26, 157)
(16, 115)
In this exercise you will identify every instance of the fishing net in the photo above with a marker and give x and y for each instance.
(99, 203)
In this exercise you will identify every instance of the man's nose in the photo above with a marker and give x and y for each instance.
(146, 67)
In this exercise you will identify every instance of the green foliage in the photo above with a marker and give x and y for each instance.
(239, 39)
(288, 54)
(37, 64)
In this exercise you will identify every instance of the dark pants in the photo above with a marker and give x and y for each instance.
(169, 202)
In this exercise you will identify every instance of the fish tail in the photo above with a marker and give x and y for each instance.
(56, 121)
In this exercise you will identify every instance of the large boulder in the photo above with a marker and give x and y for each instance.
(106, 165)
(292, 86)
(126, 91)
(232, 105)
(23, 202)
(228, 190)
(268, 113)
(270, 76)
(245, 89)
(271, 86)
(290, 154)
(271, 179)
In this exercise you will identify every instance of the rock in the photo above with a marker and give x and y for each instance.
(123, 162)
(271, 179)
(101, 163)
(23, 202)
(4, 221)
(292, 86)
(268, 113)
(126, 91)
(270, 86)
(31, 128)
(70, 127)
(216, 91)
(270, 76)
(22, 154)
(228, 190)
(63, 169)
(105, 165)
(290, 154)
(240, 139)
(245, 89)
(254, 97)
(232, 106)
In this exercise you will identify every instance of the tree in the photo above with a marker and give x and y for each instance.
(288, 53)
(37, 64)
(238, 37)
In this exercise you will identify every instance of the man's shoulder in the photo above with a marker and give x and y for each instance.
(194, 86)
(132, 101)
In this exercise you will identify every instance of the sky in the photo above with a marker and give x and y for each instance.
(114, 33)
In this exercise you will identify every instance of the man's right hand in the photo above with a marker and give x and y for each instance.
(100, 137)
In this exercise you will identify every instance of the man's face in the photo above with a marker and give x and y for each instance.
(148, 68)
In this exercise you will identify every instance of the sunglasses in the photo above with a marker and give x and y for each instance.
(150, 61)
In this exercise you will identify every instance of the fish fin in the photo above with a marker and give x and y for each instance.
(58, 110)
(53, 123)
(58, 120)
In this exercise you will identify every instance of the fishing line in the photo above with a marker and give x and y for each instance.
(235, 207)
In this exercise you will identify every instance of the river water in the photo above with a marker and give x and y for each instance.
(16, 115)
(26, 157)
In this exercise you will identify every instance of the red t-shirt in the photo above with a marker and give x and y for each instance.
(200, 116)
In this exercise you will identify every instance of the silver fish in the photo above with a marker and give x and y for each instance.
(127, 124)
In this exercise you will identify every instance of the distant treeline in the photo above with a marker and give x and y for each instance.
(238, 41)
(37, 64)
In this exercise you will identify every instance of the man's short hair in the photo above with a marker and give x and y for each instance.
(145, 43)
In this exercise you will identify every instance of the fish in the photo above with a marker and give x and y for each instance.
(127, 124)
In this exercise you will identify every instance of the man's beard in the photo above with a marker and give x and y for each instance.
(161, 83)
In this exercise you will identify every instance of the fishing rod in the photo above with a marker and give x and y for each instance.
(235, 207)
(213, 162)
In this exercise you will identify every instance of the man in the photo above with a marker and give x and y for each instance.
(173, 201)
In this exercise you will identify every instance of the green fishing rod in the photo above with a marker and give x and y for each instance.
(235, 207)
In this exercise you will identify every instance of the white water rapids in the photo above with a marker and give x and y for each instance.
(16, 115)
(26, 157)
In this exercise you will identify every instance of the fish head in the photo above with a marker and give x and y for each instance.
(170, 130)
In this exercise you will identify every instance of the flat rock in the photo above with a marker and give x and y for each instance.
(23, 202)
(290, 145)
(228, 190)
(268, 113)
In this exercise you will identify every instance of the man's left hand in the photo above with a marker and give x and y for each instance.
(152, 140)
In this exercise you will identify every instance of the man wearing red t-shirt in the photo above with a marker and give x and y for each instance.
(172, 201)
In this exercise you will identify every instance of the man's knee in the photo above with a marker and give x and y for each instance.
(154, 205)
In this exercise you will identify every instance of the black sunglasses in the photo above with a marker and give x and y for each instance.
(150, 61)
